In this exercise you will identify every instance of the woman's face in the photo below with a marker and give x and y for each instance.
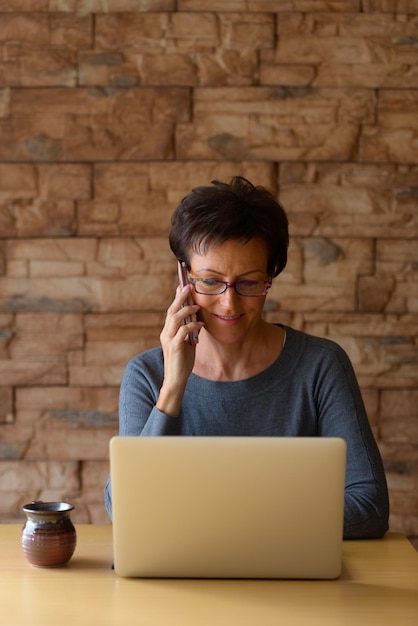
(230, 317)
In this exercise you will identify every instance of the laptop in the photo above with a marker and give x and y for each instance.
(228, 507)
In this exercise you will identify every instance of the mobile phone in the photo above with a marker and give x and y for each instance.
(193, 337)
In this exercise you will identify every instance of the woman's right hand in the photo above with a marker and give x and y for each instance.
(179, 354)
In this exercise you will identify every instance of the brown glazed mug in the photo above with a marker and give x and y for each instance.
(48, 536)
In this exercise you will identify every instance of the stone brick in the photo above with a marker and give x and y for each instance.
(335, 261)
(111, 341)
(108, 351)
(340, 49)
(54, 250)
(383, 361)
(269, 5)
(398, 404)
(100, 325)
(360, 324)
(6, 320)
(382, 292)
(56, 440)
(303, 298)
(126, 192)
(14, 440)
(15, 28)
(32, 373)
(72, 30)
(59, 181)
(23, 5)
(2, 258)
(102, 375)
(63, 423)
(41, 200)
(48, 56)
(6, 405)
(84, 294)
(96, 124)
(364, 200)
(277, 124)
(405, 254)
(63, 400)
(374, 293)
(38, 475)
(89, 6)
(4, 103)
(399, 458)
(94, 476)
(24, 481)
(120, 346)
(6, 334)
(45, 337)
(393, 137)
(177, 49)
(400, 430)
(44, 348)
(118, 275)
(390, 6)
(400, 481)
(42, 323)
(320, 274)
(400, 500)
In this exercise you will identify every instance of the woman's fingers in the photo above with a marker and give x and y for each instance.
(179, 318)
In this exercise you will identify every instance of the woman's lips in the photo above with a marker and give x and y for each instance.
(228, 318)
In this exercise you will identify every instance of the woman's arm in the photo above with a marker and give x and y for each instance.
(342, 414)
(138, 414)
(153, 384)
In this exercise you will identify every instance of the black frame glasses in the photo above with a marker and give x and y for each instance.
(215, 287)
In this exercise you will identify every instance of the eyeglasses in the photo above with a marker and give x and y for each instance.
(213, 287)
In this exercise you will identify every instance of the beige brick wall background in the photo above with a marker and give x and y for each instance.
(110, 111)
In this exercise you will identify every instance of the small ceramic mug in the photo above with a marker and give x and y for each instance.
(48, 536)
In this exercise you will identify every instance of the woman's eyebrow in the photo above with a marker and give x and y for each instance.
(208, 269)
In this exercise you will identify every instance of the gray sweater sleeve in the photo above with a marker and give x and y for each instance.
(341, 413)
(311, 390)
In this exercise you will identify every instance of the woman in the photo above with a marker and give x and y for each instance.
(246, 376)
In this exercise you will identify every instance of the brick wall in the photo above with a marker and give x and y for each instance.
(109, 113)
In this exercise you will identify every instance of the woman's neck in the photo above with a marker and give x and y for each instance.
(233, 362)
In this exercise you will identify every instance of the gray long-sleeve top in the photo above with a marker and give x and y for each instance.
(310, 390)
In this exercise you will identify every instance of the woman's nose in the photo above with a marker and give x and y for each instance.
(229, 295)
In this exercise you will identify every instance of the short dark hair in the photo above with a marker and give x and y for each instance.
(237, 210)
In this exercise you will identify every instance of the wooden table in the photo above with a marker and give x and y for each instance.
(378, 586)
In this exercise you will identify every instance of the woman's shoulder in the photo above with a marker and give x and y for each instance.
(311, 357)
(300, 341)
(149, 361)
